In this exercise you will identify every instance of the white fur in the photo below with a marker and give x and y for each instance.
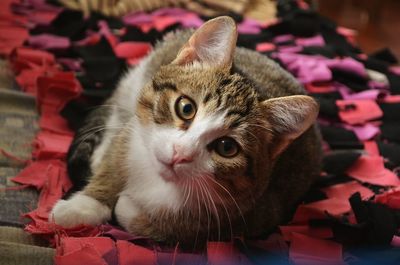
(150, 149)
(151, 183)
(145, 185)
(80, 209)
(125, 210)
(148, 186)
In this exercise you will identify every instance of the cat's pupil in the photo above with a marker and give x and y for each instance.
(187, 109)
(226, 147)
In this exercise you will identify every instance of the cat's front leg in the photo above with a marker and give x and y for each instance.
(126, 211)
(80, 209)
(131, 217)
(93, 205)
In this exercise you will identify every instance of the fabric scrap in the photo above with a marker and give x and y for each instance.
(345, 190)
(371, 169)
(315, 232)
(129, 253)
(308, 250)
(358, 111)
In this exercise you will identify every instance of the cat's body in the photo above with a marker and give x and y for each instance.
(238, 166)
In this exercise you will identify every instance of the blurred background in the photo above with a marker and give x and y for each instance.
(377, 21)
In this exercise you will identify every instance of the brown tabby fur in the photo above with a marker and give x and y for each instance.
(265, 188)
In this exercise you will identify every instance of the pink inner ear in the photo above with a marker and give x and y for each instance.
(186, 56)
(290, 116)
(212, 44)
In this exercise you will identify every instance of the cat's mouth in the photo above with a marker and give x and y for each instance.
(173, 172)
(167, 172)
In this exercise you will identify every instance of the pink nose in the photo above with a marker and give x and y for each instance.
(181, 160)
(180, 156)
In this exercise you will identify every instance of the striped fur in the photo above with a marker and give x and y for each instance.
(241, 95)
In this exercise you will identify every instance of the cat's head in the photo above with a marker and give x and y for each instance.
(209, 127)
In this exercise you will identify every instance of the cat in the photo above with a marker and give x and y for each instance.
(201, 141)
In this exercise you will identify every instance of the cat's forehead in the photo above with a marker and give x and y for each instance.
(194, 78)
(212, 89)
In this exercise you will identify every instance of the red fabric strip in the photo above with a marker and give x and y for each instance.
(371, 148)
(56, 89)
(318, 232)
(104, 247)
(35, 174)
(310, 251)
(390, 198)
(345, 190)
(371, 169)
(224, 253)
(131, 254)
(49, 145)
(54, 123)
(87, 255)
(358, 111)
(316, 210)
(132, 50)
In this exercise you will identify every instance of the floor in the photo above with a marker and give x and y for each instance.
(377, 21)
(17, 129)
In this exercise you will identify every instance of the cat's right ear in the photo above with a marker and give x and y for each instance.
(213, 44)
(289, 117)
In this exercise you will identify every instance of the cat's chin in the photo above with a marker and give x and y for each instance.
(168, 174)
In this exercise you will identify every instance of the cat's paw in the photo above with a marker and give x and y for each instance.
(78, 210)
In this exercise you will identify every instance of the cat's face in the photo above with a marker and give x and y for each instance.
(207, 128)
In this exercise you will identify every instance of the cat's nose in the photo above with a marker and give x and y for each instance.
(181, 155)
(181, 160)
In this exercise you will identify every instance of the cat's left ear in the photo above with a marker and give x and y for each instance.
(289, 117)
(213, 44)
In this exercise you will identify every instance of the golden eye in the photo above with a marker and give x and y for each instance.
(226, 147)
(185, 108)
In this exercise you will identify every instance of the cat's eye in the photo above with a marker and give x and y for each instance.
(185, 108)
(226, 147)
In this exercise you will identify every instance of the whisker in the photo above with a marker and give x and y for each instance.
(91, 129)
(233, 199)
(206, 206)
(186, 189)
(87, 136)
(223, 205)
(199, 216)
(92, 132)
(215, 212)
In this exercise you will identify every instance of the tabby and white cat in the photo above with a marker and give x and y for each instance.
(202, 140)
